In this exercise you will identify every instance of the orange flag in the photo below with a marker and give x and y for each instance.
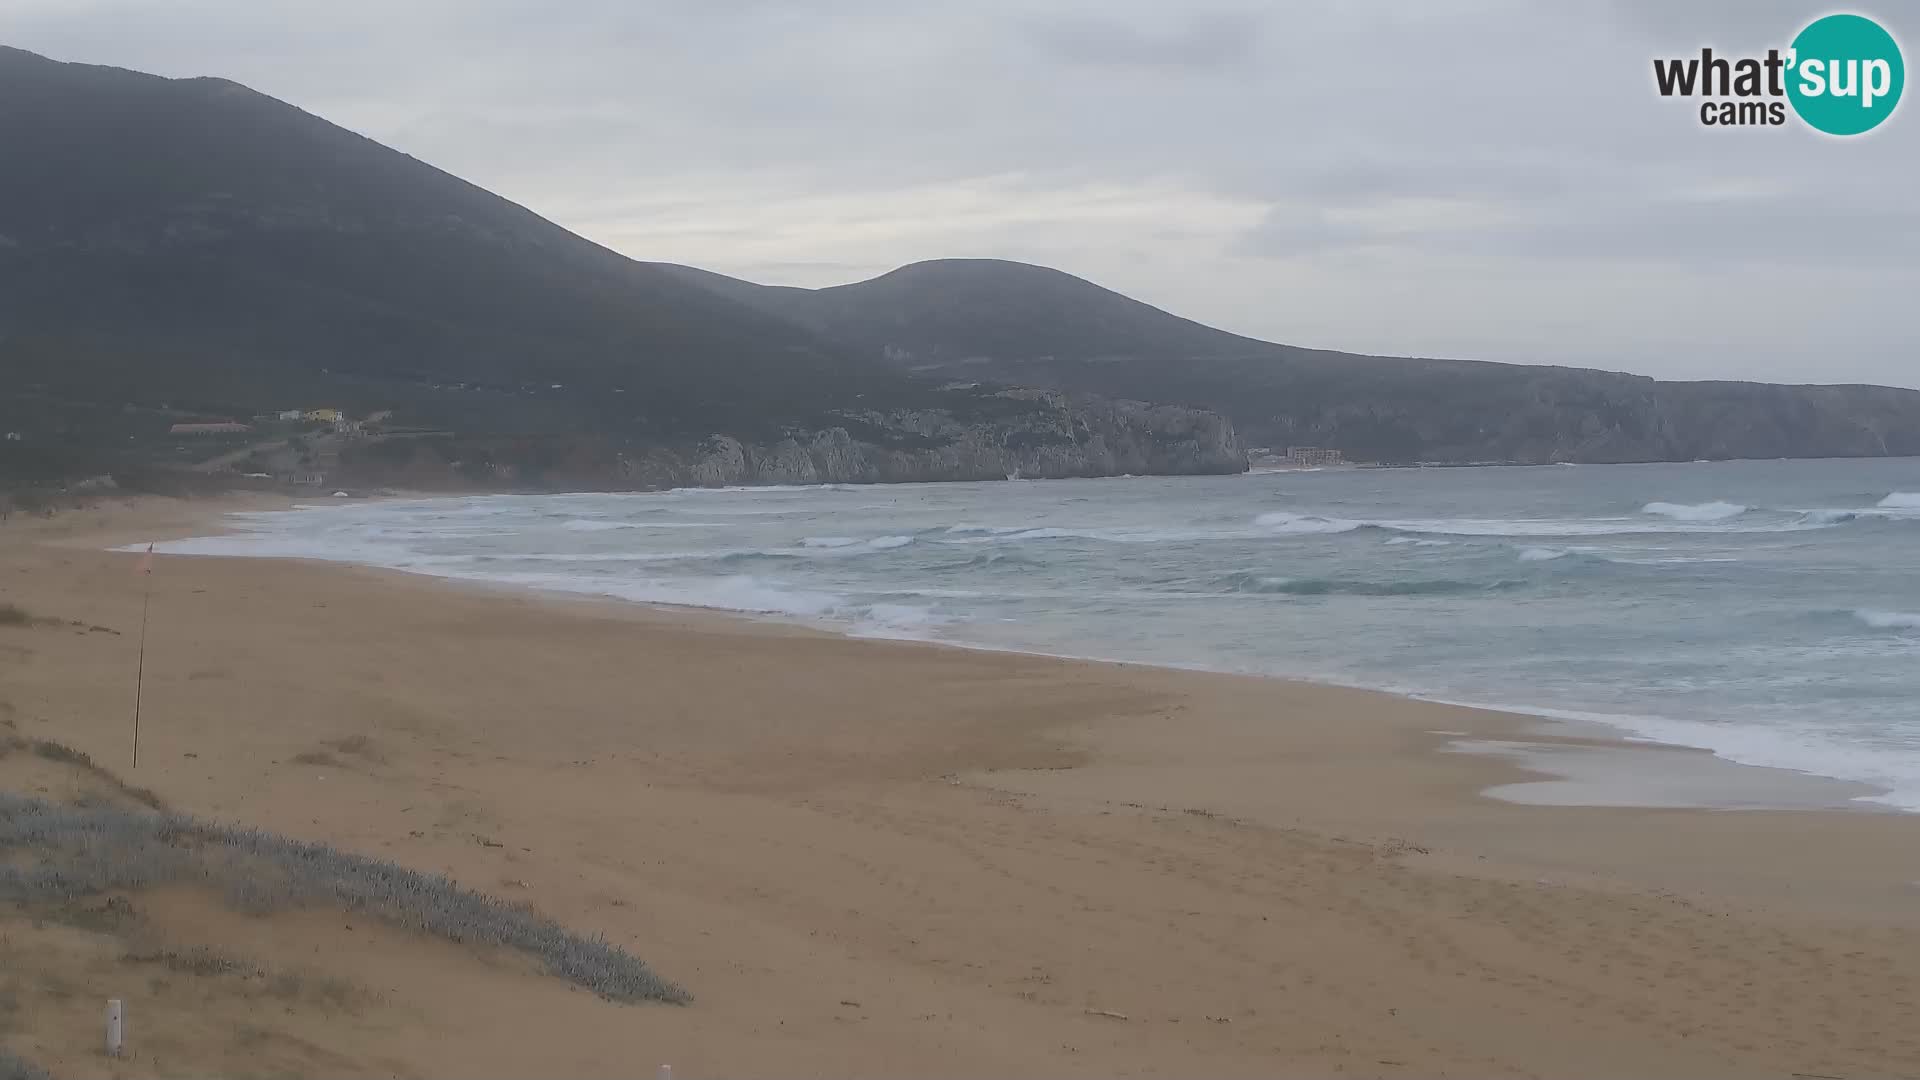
(146, 562)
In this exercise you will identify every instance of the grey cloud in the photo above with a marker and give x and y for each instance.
(1202, 40)
(1731, 21)
(1743, 223)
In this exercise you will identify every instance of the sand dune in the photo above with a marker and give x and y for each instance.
(875, 858)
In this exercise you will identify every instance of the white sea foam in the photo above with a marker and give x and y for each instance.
(851, 544)
(975, 535)
(897, 621)
(762, 489)
(1572, 527)
(1280, 521)
(1543, 554)
(1901, 500)
(1802, 749)
(736, 592)
(325, 549)
(989, 530)
(1418, 541)
(610, 557)
(1670, 560)
(1707, 511)
(1889, 620)
(595, 525)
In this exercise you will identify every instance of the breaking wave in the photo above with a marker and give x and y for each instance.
(877, 543)
(596, 525)
(994, 534)
(1280, 521)
(1246, 582)
(1829, 517)
(1706, 511)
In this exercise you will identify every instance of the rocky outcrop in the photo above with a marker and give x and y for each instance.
(986, 435)
(1047, 436)
(1559, 414)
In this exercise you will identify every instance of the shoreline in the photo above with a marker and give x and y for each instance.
(874, 857)
(1601, 765)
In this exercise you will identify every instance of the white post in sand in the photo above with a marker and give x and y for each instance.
(115, 1016)
(666, 1072)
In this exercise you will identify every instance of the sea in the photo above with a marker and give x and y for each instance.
(1768, 611)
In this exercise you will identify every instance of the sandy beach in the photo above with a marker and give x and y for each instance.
(871, 858)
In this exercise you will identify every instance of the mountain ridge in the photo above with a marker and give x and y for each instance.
(192, 248)
(191, 245)
(991, 319)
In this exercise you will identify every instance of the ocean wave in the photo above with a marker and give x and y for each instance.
(1615, 556)
(323, 549)
(1247, 582)
(736, 592)
(1580, 527)
(980, 534)
(897, 621)
(1706, 511)
(740, 592)
(1884, 511)
(988, 530)
(987, 558)
(1417, 541)
(602, 525)
(1671, 560)
(1280, 521)
(1901, 500)
(1705, 518)
(748, 555)
(854, 543)
(604, 556)
(761, 489)
(1499, 527)
(1889, 620)
(1805, 749)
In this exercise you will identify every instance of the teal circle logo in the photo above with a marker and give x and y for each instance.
(1845, 74)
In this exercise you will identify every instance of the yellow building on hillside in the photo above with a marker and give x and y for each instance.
(325, 416)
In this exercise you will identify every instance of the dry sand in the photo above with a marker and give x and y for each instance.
(876, 858)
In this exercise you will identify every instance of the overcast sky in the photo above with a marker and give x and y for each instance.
(1479, 178)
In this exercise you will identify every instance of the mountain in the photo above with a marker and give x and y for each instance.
(181, 249)
(992, 320)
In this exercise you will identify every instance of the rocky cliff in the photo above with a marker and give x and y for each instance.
(998, 434)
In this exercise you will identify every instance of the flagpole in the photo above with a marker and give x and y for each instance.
(140, 672)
